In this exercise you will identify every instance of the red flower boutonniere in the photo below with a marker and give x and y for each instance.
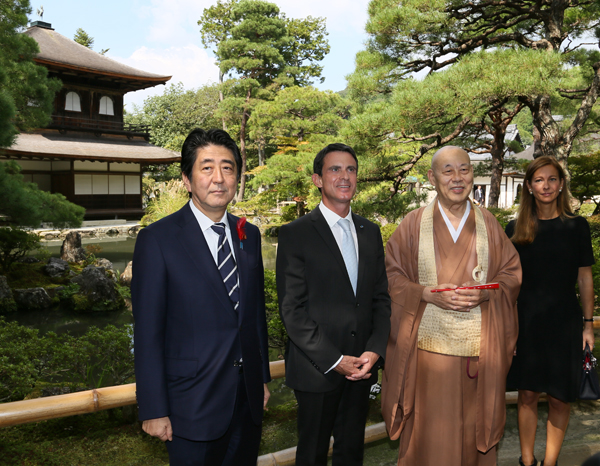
(241, 230)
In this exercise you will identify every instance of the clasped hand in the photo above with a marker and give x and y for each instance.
(457, 299)
(357, 368)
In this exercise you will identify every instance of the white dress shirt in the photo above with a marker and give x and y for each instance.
(211, 236)
(338, 233)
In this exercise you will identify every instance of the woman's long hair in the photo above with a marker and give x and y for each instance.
(527, 218)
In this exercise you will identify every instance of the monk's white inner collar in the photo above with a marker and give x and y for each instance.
(455, 233)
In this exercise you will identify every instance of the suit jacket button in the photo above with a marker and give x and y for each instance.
(357, 304)
(353, 333)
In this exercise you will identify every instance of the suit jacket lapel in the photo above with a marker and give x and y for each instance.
(193, 241)
(323, 228)
(362, 249)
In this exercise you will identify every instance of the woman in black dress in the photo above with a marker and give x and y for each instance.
(556, 253)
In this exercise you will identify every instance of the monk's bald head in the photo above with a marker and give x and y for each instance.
(449, 154)
(452, 176)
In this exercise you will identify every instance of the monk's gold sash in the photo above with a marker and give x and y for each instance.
(445, 331)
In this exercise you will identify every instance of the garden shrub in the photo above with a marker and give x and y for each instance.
(30, 362)
(14, 244)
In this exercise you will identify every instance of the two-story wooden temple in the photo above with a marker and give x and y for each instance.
(87, 153)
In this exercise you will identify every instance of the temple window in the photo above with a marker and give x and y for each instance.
(72, 102)
(106, 106)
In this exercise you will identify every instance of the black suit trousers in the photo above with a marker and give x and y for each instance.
(343, 412)
(238, 447)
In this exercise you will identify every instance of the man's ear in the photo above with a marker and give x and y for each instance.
(186, 182)
(431, 177)
(316, 179)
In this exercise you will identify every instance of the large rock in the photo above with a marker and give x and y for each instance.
(7, 302)
(102, 262)
(71, 250)
(56, 267)
(125, 277)
(32, 299)
(100, 291)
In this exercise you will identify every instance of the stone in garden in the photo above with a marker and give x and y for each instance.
(102, 262)
(56, 267)
(126, 275)
(7, 302)
(28, 260)
(32, 299)
(97, 287)
(71, 250)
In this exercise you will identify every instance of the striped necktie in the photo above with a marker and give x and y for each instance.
(227, 266)
(349, 252)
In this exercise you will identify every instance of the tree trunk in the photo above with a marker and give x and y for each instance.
(245, 118)
(261, 152)
(221, 98)
(497, 154)
(501, 118)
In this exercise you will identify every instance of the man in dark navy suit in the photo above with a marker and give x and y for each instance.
(201, 357)
(334, 302)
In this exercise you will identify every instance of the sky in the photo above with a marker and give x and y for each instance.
(162, 36)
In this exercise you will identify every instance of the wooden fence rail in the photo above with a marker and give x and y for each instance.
(89, 401)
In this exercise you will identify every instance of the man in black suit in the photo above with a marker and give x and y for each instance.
(201, 360)
(333, 300)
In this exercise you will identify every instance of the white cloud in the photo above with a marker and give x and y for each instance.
(189, 64)
(342, 15)
(176, 22)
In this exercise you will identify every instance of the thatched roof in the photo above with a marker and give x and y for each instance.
(59, 53)
(51, 145)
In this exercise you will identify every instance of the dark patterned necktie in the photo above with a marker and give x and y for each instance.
(227, 266)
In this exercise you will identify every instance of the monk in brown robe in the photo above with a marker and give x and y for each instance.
(449, 352)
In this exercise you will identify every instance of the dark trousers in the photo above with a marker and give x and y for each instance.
(342, 411)
(238, 447)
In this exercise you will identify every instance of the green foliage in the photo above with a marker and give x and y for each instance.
(172, 115)
(30, 361)
(585, 178)
(262, 52)
(26, 92)
(106, 438)
(387, 231)
(375, 199)
(83, 38)
(484, 168)
(502, 215)
(287, 175)
(594, 223)
(14, 244)
(276, 330)
(27, 205)
(299, 112)
(171, 198)
(124, 291)
(485, 62)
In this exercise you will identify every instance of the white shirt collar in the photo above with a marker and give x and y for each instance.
(455, 233)
(205, 222)
(331, 217)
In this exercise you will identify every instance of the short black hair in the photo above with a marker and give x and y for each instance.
(199, 138)
(336, 147)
